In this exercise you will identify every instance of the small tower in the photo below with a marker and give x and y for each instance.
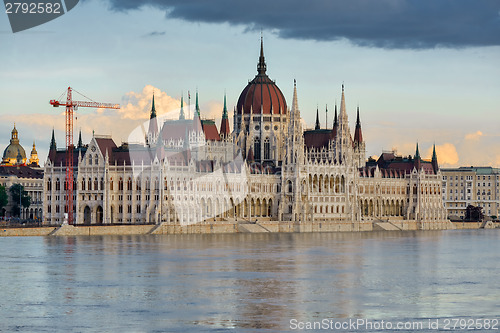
(80, 143)
(317, 126)
(181, 114)
(434, 160)
(34, 161)
(344, 139)
(225, 131)
(152, 135)
(53, 145)
(417, 159)
(359, 144)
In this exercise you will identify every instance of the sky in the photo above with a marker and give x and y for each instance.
(421, 71)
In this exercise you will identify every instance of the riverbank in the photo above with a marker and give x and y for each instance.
(239, 227)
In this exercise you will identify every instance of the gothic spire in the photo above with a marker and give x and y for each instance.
(342, 104)
(434, 160)
(181, 114)
(358, 135)
(53, 145)
(261, 66)
(335, 123)
(197, 107)
(224, 125)
(153, 110)
(80, 143)
(224, 111)
(417, 153)
(317, 127)
(295, 103)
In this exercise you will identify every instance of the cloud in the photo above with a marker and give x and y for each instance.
(137, 105)
(156, 33)
(474, 136)
(406, 24)
(447, 154)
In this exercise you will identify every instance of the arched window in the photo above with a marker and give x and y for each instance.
(120, 184)
(111, 184)
(256, 148)
(96, 184)
(96, 159)
(267, 149)
(90, 159)
(58, 184)
(90, 184)
(102, 184)
(129, 184)
(290, 186)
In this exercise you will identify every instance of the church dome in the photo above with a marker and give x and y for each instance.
(261, 94)
(12, 151)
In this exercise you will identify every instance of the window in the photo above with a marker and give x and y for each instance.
(96, 159)
(256, 152)
(267, 149)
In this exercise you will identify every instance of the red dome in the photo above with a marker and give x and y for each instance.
(261, 93)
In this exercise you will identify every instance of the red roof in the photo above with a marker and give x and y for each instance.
(318, 138)
(224, 127)
(263, 93)
(21, 171)
(210, 130)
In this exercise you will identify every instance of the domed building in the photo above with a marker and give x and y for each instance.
(268, 168)
(260, 117)
(14, 154)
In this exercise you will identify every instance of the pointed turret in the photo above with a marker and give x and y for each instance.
(358, 135)
(261, 66)
(434, 160)
(153, 125)
(53, 145)
(153, 109)
(181, 114)
(34, 161)
(197, 107)
(196, 118)
(80, 143)
(224, 125)
(317, 127)
(335, 122)
(417, 159)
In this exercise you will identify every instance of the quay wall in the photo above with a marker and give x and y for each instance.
(233, 227)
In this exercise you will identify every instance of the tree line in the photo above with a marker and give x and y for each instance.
(19, 198)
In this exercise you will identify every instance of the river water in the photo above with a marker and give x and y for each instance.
(248, 282)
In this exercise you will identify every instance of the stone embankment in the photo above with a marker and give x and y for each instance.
(244, 227)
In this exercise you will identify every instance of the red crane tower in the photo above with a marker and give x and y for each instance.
(70, 105)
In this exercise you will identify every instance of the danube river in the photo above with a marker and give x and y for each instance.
(249, 282)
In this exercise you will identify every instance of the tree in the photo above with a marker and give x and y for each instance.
(15, 190)
(473, 213)
(4, 198)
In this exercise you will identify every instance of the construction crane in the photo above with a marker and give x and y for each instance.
(72, 105)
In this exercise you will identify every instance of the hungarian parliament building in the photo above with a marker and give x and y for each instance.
(267, 167)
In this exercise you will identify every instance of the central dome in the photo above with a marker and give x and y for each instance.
(261, 95)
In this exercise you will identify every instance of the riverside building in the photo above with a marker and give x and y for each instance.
(477, 186)
(266, 168)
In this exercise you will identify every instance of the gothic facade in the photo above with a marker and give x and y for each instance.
(267, 168)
